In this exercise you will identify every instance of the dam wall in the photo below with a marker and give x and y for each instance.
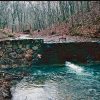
(83, 52)
(29, 52)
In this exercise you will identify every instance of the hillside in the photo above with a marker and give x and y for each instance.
(85, 24)
(80, 24)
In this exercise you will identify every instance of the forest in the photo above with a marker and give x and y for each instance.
(77, 16)
(50, 50)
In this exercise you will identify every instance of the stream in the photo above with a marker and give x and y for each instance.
(58, 82)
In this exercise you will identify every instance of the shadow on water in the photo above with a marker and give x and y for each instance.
(58, 82)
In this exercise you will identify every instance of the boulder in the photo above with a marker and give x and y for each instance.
(5, 90)
(13, 55)
(28, 57)
(29, 51)
(1, 53)
(28, 54)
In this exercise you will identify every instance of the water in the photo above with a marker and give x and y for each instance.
(66, 82)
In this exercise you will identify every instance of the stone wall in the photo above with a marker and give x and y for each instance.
(16, 53)
(27, 52)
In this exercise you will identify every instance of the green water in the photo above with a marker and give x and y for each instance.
(54, 82)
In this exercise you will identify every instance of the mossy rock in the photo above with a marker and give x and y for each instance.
(13, 55)
(6, 61)
(9, 49)
(35, 47)
(20, 51)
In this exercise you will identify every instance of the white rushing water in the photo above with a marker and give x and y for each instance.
(26, 91)
(77, 69)
(74, 67)
(30, 94)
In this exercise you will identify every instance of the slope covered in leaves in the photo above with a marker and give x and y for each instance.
(80, 24)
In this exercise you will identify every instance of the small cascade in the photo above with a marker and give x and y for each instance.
(29, 94)
(26, 91)
(74, 67)
(77, 69)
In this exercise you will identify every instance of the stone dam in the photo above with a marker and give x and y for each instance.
(28, 52)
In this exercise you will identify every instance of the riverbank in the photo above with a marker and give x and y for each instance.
(7, 80)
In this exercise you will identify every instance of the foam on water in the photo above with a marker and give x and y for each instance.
(27, 91)
(74, 67)
(78, 69)
(29, 94)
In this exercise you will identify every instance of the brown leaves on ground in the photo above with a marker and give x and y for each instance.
(6, 33)
(84, 24)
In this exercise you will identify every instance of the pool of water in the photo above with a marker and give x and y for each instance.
(53, 82)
